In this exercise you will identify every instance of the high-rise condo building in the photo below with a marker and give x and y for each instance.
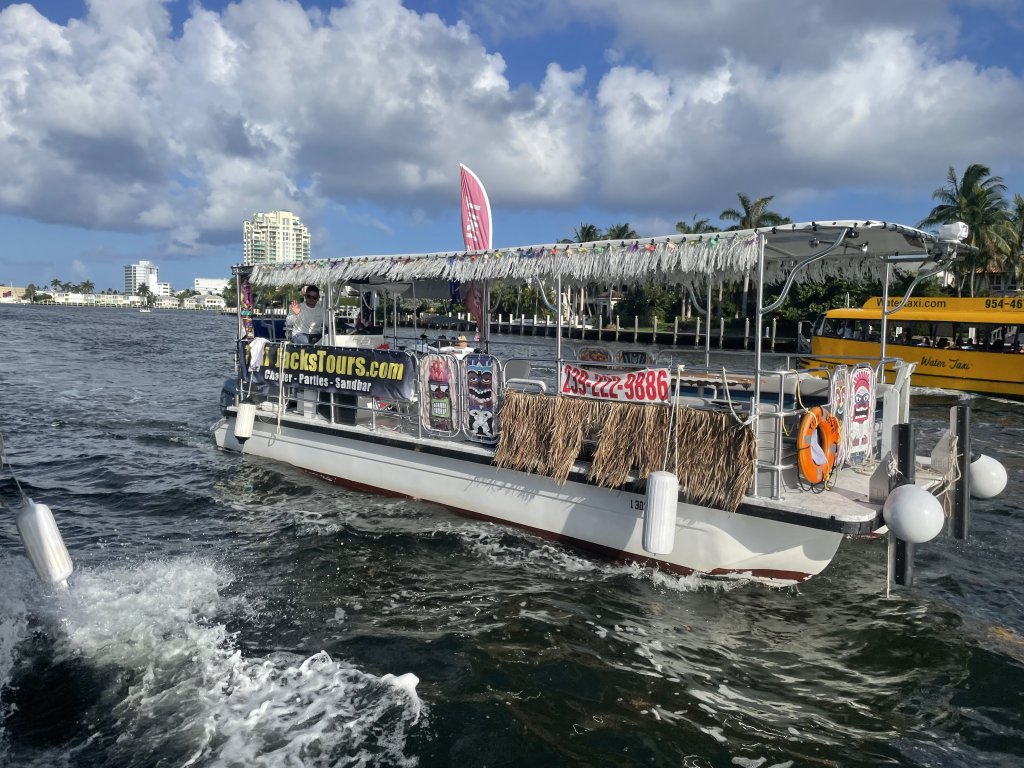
(277, 237)
(145, 272)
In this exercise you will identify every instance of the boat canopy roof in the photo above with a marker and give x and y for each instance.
(858, 249)
(940, 309)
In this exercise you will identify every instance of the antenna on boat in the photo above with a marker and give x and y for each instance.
(40, 535)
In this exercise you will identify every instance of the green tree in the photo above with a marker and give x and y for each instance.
(87, 286)
(586, 233)
(977, 200)
(182, 295)
(230, 292)
(145, 294)
(807, 300)
(751, 214)
(695, 227)
(1014, 263)
(30, 292)
(647, 301)
(620, 232)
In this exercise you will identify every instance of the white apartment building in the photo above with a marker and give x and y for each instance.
(277, 237)
(210, 285)
(143, 272)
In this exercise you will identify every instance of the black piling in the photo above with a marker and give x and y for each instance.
(960, 416)
(903, 555)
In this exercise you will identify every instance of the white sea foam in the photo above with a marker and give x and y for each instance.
(506, 547)
(13, 629)
(195, 699)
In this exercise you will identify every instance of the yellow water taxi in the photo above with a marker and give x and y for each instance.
(974, 345)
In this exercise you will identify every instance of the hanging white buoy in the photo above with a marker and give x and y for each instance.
(913, 514)
(988, 477)
(43, 543)
(660, 513)
(244, 420)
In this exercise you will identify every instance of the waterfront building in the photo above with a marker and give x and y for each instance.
(210, 285)
(204, 301)
(144, 272)
(277, 237)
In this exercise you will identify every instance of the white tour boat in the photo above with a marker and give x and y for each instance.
(756, 473)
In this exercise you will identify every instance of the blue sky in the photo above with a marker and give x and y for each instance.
(141, 129)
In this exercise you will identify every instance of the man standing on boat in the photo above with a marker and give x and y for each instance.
(307, 320)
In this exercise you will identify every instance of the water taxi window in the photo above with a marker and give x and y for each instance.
(825, 327)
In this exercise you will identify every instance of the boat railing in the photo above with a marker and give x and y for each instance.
(777, 419)
(445, 402)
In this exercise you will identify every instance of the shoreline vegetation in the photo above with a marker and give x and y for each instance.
(977, 198)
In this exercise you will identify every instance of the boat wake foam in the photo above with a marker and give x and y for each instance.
(178, 685)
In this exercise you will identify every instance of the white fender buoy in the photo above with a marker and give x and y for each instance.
(913, 514)
(988, 477)
(244, 420)
(43, 543)
(660, 513)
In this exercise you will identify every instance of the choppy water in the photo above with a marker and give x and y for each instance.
(233, 612)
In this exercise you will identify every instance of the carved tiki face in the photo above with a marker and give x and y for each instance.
(439, 383)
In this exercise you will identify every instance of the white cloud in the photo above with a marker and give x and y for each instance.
(883, 112)
(114, 122)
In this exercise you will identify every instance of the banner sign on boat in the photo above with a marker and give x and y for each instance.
(860, 414)
(440, 394)
(380, 373)
(481, 372)
(650, 385)
(838, 401)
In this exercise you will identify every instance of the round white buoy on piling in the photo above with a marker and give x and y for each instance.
(988, 477)
(660, 513)
(43, 543)
(244, 420)
(913, 514)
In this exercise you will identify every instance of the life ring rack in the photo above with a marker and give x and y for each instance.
(819, 430)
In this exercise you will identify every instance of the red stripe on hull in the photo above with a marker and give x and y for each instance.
(614, 555)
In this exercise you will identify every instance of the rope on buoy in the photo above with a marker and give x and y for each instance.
(4, 462)
(950, 479)
(39, 534)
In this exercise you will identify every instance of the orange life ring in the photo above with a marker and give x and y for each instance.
(817, 425)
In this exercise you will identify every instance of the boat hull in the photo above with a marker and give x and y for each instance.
(995, 373)
(607, 521)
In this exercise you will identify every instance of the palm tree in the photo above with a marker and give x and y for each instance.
(755, 214)
(144, 292)
(1014, 265)
(977, 200)
(87, 286)
(620, 232)
(695, 227)
(586, 233)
